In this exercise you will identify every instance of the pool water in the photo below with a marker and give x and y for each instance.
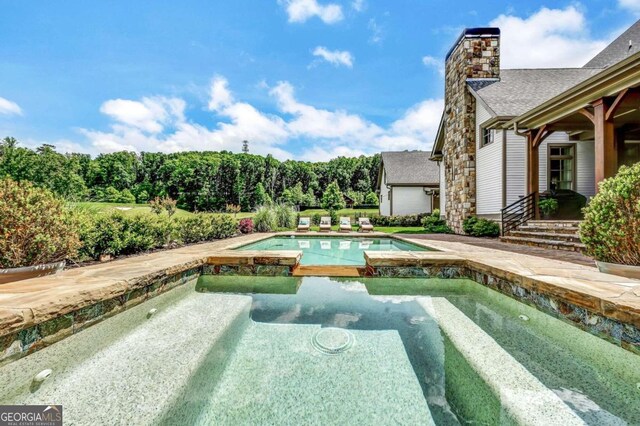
(593, 379)
(332, 250)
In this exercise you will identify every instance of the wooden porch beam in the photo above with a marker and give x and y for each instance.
(606, 155)
(533, 166)
(587, 114)
(615, 104)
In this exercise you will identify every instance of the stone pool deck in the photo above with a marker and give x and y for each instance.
(40, 311)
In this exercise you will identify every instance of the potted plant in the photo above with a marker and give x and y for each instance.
(37, 232)
(548, 206)
(611, 227)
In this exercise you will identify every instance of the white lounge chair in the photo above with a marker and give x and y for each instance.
(325, 224)
(345, 224)
(364, 224)
(303, 224)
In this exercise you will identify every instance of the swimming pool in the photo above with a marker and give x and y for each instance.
(333, 250)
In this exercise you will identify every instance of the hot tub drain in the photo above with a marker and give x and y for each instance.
(332, 341)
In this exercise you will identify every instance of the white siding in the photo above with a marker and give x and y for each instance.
(385, 204)
(443, 189)
(488, 168)
(516, 173)
(517, 165)
(586, 168)
(410, 200)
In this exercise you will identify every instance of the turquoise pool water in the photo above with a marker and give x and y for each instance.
(597, 381)
(333, 250)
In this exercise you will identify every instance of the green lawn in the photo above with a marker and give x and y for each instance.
(124, 208)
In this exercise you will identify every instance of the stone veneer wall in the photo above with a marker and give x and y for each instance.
(473, 57)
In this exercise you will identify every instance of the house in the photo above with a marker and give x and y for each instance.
(509, 136)
(407, 183)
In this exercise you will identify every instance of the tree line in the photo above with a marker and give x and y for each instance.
(198, 181)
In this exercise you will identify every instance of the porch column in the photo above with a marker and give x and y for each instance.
(533, 167)
(606, 155)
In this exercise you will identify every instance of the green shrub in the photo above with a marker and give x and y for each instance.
(285, 216)
(194, 228)
(468, 224)
(371, 198)
(434, 225)
(332, 199)
(333, 214)
(548, 206)
(406, 220)
(222, 226)
(265, 220)
(35, 226)
(611, 226)
(126, 197)
(479, 227)
(111, 195)
(115, 234)
(315, 219)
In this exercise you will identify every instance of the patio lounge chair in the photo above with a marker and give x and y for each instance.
(303, 224)
(364, 224)
(325, 224)
(345, 224)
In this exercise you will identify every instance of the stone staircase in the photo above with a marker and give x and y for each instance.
(552, 234)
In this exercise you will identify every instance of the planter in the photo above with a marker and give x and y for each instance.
(17, 274)
(627, 271)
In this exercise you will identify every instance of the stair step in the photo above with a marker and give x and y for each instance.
(555, 223)
(568, 237)
(538, 242)
(534, 228)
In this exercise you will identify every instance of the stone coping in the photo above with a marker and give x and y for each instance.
(256, 257)
(609, 295)
(412, 258)
(26, 303)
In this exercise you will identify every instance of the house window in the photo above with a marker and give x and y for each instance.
(562, 166)
(488, 136)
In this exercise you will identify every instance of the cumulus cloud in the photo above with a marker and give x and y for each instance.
(334, 57)
(159, 124)
(632, 5)
(8, 107)
(434, 63)
(549, 38)
(301, 10)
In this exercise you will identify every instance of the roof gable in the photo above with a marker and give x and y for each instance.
(409, 168)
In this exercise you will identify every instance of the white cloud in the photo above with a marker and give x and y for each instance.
(632, 5)
(159, 124)
(148, 115)
(358, 5)
(377, 35)
(335, 57)
(302, 10)
(8, 107)
(435, 63)
(219, 94)
(550, 38)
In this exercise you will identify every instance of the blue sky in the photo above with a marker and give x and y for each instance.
(307, 79)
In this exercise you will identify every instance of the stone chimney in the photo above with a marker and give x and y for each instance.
(474, 56)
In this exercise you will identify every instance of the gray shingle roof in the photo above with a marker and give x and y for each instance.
(521, 90)
(619, 49)
(410, 168)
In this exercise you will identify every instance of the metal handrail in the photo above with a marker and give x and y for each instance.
(519, 212)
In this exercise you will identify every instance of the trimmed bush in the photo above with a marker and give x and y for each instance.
(315, 219)
(434, 225)
(611, 226)
(222, 226)
(245, 226)
(407, 220)
(479, 227)
(195, 228)
(35, 226)
(265, 220)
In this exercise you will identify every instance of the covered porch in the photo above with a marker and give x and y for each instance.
(604, 112)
